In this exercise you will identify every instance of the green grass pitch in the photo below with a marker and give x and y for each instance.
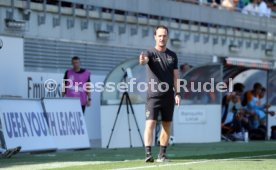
(213, 156)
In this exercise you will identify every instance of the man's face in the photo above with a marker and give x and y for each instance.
(235, 97)
(186, 67)
(262, 94)
(161, 37)
(258, 91)
(76, 64)
(239, 93)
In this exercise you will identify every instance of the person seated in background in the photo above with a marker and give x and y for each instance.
(230, 119)
(252, 104)
(228, 99)
(262, 101)
(232, 5)
(238, 4)
(252, 8)
(272, 6)
(184, 68)
(228, 4)
(233, 121)
(262, 95)
(258, 110)
(263, 9)
(242, 4)
(214, 3)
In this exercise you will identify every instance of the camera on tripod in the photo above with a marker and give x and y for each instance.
(127, 73)
(125, 99)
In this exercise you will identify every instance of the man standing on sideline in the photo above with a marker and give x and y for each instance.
(161, 64)
(80, 77)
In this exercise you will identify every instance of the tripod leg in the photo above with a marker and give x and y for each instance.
(129, 129)
(112, 130)
(135, 120)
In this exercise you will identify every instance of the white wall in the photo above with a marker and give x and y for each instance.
(11, 66)
(197, 124)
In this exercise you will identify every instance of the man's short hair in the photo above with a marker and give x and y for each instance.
(257, 86)
(161, 26)
(75, 58)
(238, 87)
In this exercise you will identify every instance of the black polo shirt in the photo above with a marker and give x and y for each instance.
(160, 69)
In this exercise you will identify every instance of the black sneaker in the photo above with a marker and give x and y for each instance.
(6, 154)
(13, 151)
(149, 158)
(162, 158)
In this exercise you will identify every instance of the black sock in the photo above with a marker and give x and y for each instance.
(162, 150)
(148, 150)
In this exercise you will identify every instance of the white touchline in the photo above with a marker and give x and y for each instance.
(55, 165)
(194, 162)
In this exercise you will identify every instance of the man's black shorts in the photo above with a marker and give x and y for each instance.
(160, 105)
